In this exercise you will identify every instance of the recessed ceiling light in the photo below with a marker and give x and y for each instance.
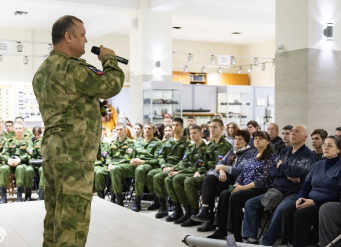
(236, 33)
(177, 27)
(20, 13)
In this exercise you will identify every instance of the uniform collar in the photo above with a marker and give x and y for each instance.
(65, 55)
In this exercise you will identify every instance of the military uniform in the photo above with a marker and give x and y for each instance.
(147, 151)
(6, 135)
(101, 170)
(34, 150)
(170, 155)
(68, 91)
(215, 152)
(28, 133)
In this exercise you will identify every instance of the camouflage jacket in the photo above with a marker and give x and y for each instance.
(217, 151)
(34, 149)
(17, 148)
(104, 152)
(27, 133)
(8, 135)
(194, 160)
(172, 151)
(120, 151)
(68, 91)
(147, 151)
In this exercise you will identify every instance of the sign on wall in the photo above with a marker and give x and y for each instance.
(5, 46)
(224, 60)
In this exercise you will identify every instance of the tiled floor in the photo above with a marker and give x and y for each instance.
(111, 225)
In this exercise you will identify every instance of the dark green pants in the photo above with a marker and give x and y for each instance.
(19, 171)
(176, 188)
(192, 186)
(99, 179)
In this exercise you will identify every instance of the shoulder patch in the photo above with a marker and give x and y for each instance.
(96, 71)
(203, 147)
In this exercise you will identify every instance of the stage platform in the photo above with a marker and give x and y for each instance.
(111, 225)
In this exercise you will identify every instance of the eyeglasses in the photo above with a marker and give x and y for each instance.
(327, 146)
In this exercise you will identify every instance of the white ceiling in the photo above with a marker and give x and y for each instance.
(201, 20)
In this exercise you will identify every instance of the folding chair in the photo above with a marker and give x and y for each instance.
(266, 224)
(129, 193)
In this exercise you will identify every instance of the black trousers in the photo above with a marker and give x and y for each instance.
(230, 210)
(296, 224)
(212, 187)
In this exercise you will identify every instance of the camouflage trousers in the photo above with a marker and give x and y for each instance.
(176, 188)
(150, 181)
(120, 172)
(159, 184)
(100, 175)
(19, 172)
(68, 195)
(30, 172)
(192, 186)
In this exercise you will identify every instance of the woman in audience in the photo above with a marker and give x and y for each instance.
(317, 139)
(138, 131)
(168, 132)
(253, 181)
(225, 174)
(159, 131)
(323, 184)
(231, 130)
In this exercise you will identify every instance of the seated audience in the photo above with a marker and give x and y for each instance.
(288, 171)
(338, 132)
(190, 120)
(322, 185)
(330, 223)
(101, 170)
(159, 131)
(276, 141)
(9, 130)
(232, 128)
(204, 127)
(138, 132)
(252, 127)
(286, 138)
(167, 120)
(225, 174)
(252, 181)
(317, 139)
(21, 120)
(168, 132)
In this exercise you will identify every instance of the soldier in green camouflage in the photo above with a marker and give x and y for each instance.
(101, 170)
(27, 133)
(120, 152)
(68, 91)
(172, 152)
(193, 164)
(216, 149)
(9, 134)
(16, 160)
(143, 159)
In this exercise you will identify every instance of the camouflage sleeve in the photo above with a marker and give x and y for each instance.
(31, 151)
(162, 157)
(183, 164)
(203, 169)
(105, 85)
(106, 148)
(108, 160)
(6, 155)
(154, 162)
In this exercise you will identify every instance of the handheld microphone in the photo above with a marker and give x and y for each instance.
(95, 50)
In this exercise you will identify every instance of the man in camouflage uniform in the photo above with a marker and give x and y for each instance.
(172, 152)
(27, 133)
(194, 163)
(143, 159)
(9, 134)
(16, 160)
(119, 153)
(68, 91)
(216, 149)
(101, 170)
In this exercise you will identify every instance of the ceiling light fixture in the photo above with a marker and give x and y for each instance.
(220, 70)
(263, 67)
(328, 32)
(240, 70)
(19, 47)
(190, 58)
(273, 63)
(233, 60)
(185, 69)
(256, 62)
(20, 13)
(177, 27)
(212, 59)
(250, 69)
(25, 60)
(203, 69)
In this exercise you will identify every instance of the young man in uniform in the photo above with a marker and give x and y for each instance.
(172, 152)
(16, 159)
(68, 91)
(193, 162)
(142, 160)
(215, 151)
(27, 133)
(9, 130)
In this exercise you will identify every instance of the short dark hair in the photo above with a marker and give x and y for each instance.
(221, 124)
(323, 134)
(64, 24)
(37, 129)
(195, 127)
(288, 127)
(204, 126)
(179, 120)
(20, 118)
(268, 150)
(338, 129)
(244, 134)
(206, 133)
(190, 117)
(11, 122)
(253, 123)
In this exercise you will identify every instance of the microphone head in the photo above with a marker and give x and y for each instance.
(95, 50)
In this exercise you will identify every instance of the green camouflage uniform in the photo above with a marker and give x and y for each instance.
(34, 150)
(194, 160)
(147, 151)
(8, 135)
(101, 170)
(68, 91)
(3, 139)
(171, 154)
(18, 148)
(215, 153)
(119, 153)
(28, 133)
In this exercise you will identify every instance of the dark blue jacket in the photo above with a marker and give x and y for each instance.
(241, 161)
(294, 165)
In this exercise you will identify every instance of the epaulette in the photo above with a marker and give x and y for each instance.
(203, 147)
(191, 145)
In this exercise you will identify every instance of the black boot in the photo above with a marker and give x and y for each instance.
(176, 214)
(155, 205)
(119, 199)
(218, 235)
(100, 194)
(186, 216)
(112, 199)
(191, 222)
(3, 195)
(202, 216)
(20, 190)
(28, 195)
(206, 227)
(41, 195)
(170, 205)
(163, 212)
(137, 204)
